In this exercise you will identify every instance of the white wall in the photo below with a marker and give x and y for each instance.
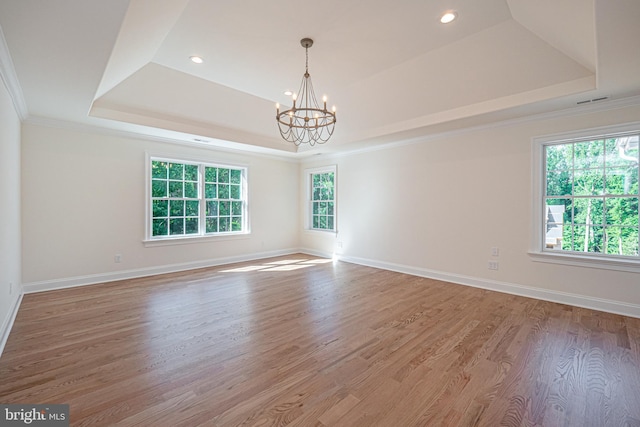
(83, 200)
(10, 262)
(436, 208)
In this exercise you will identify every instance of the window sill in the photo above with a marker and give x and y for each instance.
(150, 243)
(313, 231)
(589, 261)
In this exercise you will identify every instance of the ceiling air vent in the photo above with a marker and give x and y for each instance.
(587, 101)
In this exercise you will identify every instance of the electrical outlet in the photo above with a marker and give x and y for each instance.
(117, 258)
(492, 265)
(495, 251)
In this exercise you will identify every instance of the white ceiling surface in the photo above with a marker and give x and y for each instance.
(391, 68)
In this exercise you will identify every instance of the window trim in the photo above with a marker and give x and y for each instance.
(308, 195)
(151, 241)
(537, 250)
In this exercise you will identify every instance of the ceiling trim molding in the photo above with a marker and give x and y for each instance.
(80, 127)
(580, 110)
(10, 79)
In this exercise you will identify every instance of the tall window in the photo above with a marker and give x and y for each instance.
(322, 199)
(195, 199)
(590, 196)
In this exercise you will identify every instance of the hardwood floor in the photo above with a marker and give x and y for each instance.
(302, 341)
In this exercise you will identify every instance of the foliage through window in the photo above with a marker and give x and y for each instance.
(591, 196)
(191, 199)
(322, 200)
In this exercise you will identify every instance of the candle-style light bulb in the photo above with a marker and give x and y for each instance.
(277, 108)
(333, 109)
(324, 99)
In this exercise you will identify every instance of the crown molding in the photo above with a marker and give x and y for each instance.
(632, 101)
(10, 79)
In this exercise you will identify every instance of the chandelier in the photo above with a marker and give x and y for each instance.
(306, 122)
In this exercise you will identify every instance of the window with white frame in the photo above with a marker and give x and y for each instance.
(321, 184)
(588, 203)
(189, 199)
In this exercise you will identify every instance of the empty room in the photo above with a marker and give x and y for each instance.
(414, 213)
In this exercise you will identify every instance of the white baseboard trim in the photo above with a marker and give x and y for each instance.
(70, 282)
(593, 303)
(7, 322)
(600, 304)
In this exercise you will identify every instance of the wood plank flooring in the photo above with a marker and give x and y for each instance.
(303, 341)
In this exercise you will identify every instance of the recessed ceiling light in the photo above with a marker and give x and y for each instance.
(288, 93)
(196, 59)
(448, 17)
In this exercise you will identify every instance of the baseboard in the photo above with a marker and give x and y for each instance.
(70, 282)
(600, 304)
(7, 322)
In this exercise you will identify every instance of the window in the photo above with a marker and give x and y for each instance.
(195, 199)
(322, 199)
(589, 196)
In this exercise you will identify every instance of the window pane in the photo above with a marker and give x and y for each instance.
(236, 176)
(236, 208)
(223, 191)
(322, 209)
(211, 191)
(235, 192)
(330, 209)
(176, 208)
(176, 171)
(330, 223)
(175, 189)
(589, 154)
(622, 152)
(316, 221)
(622, 180)
(191, 173)
(223, 175)
(588, 182)
(323, 222)
(191, 190)
(225, 208)
(158, 188)
(558, 224)
(212, 225)
(559, 157)
(160, 208)
(210, 174)
(622, 211)
(191, 225)
(588, 211)
(236, 223)
(158, 169)
(316, 194)
(588, 239)
(212, 208)
(160, 227)
(224, 224)
(176, 226)
(559, 183)
(192, 208)
(622, 241)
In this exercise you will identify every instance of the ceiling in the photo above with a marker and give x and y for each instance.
(392, 69)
